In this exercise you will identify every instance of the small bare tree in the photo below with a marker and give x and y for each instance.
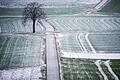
(3, 3)
(33, 11)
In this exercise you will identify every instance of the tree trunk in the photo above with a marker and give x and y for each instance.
(34, 26)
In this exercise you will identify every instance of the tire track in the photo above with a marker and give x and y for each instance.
(106, 63)
(89, 43)
(101, 70)
(83, 48)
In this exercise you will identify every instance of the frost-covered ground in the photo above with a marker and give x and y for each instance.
(15, 25)
(86, 35)
(83, 1)
(29, 73)
(80, 36)
(90, 56)
(21, 57)
(87, 23)
(96, 42)
(88, 69)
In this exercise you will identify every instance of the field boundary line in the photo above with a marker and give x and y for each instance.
(91, 55)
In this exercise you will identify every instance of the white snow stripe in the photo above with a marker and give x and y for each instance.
(91, 55)
(100, 69)
(110, 69)
(81, 42)
(86, 37)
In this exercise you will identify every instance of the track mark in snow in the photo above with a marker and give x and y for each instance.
(102, 4)
(77, 38)
(100, 69)
(81, 43)
(110, 70)
(86, 37)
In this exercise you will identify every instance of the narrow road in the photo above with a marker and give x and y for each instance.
(51, 55)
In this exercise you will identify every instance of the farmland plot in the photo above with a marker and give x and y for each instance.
(73, 42)
(14, 24)
(50, 10)
(21, 57)
(105, 42)
(95, 42)
(86, 69)
(88, 24)
(69, 42)
(91, 68)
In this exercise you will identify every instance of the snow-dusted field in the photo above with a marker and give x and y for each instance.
(88, 69)
(89, 46)
(21, 57)
(88, 56)
(78, 36)
(96, 42)
(15, 24)
(93, 23)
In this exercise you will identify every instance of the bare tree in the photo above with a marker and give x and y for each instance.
(33, 11)
(3, 3)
